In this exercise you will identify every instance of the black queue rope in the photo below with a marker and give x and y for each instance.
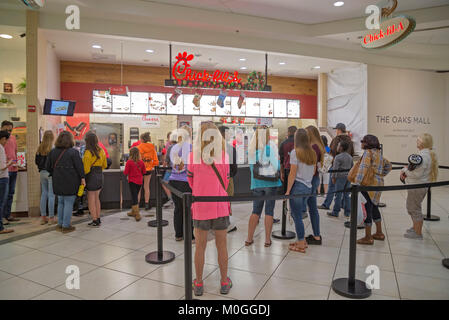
(348, 287)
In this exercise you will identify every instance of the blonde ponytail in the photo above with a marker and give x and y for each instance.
(427, 142)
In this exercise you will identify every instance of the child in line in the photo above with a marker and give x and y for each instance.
(135, 170)
(342, 161)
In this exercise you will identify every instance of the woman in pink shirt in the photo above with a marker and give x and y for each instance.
(210, 180)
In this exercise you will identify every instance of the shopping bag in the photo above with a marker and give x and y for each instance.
(361, 211)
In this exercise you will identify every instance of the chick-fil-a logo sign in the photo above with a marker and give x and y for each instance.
(182, 71)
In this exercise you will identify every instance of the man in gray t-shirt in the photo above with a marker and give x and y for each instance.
(342, 161)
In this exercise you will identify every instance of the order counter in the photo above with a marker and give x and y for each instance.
(116, 195)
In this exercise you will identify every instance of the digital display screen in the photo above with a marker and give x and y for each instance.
(208, 105)
(252, 107)
(102, 101)
(189, 107)
(280, 108)
(226, 110)
(266, 108)
(292, 108)
(121, 104)
(59, 107)
(158, 103)
(139, 102)
(235, 110)
(175, 109)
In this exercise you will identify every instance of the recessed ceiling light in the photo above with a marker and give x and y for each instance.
(242, 59)
(316, 67)
(5, 36)
(149, 50)
(243, 68)
(281, 63)
(338, 3)
(96, 46)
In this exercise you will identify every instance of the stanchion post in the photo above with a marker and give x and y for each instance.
(284, 234)
(160, 256)
(351, 287)
(158, 222)
(446, 263)
(187, 204)
(429, 216)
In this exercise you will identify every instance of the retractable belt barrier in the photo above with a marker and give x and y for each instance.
(348, 287)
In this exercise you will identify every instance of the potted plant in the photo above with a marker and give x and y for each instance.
(21, 87)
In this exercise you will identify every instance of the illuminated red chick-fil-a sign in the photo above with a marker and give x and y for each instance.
(182, 71)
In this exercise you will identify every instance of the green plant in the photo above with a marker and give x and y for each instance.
(22, 86)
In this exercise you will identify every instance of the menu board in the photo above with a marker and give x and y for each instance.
(158, 103)
(266, 108)
(139, 102)
(121, 104)
(208, 105)
(280, 108)
(252, 107)
(226, 110)
(175, 109)
(235, 110)
(102, 101)
(292, 108)
(189, 107)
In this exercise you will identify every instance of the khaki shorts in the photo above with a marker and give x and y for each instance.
(415, 198)
(221, 223)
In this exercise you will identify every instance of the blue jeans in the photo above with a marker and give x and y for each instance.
(47, 194)
(269, 204)
(65, 208)
(298, 206)
(313, 208)
(3, 196)
(330, 193)
(11, 190)
(340, 184)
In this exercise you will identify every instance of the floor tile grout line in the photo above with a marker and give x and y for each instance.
(392, 260)
(336, 264)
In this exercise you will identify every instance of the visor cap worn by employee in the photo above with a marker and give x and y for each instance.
(341, 126)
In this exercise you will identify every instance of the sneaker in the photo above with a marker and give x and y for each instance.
(79, 213)
(323, 207)
(4, 231)
(69, 229)
(58, 227)
(147, 206)
(413, 235)
(410, 230)
(12, 219)
(233, 229)
(99, 220)
(198, 288)
(226, 286)
(331, 214)
(310, 239)
(94, 224)
(275, 221)
(43, 222)
(169, 204)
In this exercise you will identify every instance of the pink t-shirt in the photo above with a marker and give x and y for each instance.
(11, 152)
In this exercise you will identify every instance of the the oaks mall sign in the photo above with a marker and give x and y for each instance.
(388, 32)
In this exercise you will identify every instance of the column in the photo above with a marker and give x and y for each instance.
(322, 100)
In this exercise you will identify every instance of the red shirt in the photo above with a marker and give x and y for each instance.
(135, 144)
(11, 152)
(104, 148)
(135, 171)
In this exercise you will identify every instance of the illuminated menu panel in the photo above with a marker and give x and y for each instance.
(158, 103)
(139, 102)
(235, 110)
(266, 108)
(292, 108)
(252, 107)
(121, 104)
(175, 109)
(226, 110)
(280, 108)
(102, 101)
(189, 107)
(208, 106)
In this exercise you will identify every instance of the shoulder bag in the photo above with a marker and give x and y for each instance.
(265, 172)
(230, 189)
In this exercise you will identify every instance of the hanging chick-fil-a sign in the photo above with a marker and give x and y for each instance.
(182, 71)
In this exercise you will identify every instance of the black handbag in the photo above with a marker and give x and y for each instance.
(262, 171)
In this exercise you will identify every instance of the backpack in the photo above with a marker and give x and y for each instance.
(265, 172)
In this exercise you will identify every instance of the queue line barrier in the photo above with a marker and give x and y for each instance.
(349, 287)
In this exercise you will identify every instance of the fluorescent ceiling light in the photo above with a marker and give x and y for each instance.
(316, 67)
(96, 46)
(243, 68)
(242, 59)
(5, 36)
(149, 51)
(338, 3)
(282, 63)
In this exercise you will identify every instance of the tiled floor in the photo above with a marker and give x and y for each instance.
(112, 264)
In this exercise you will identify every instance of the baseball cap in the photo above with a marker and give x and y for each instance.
(340, 126)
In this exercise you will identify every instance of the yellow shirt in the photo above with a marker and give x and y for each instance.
(89, 160)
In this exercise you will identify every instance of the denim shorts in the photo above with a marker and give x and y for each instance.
(221, 223)
(166, 176)
(269, 204)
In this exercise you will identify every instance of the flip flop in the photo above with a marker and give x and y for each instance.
(298, 249)
(380, 237)
(248, 243)
(267, 244)
(366, 242)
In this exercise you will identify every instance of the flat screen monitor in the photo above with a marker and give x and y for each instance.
(59, 107)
